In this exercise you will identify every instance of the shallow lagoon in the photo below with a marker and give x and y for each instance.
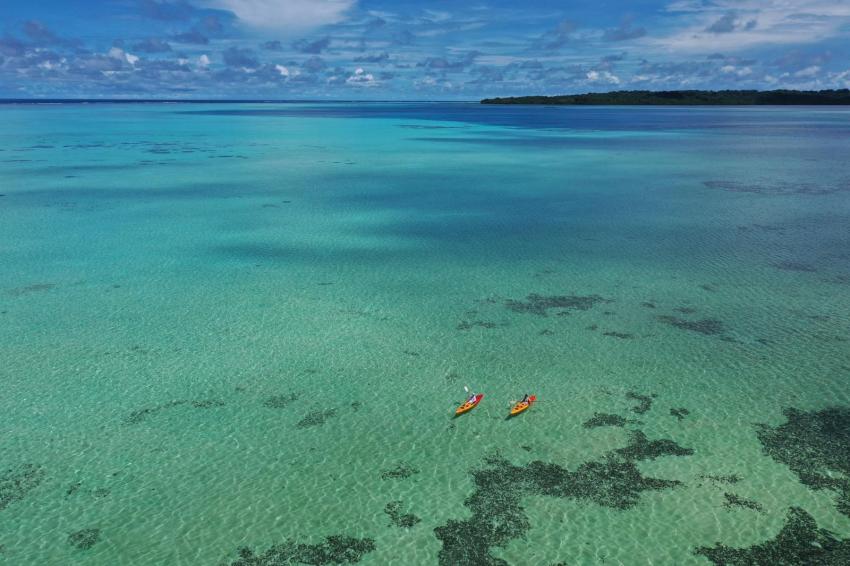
(247, 326)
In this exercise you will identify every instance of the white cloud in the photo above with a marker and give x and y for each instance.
(774, 22)
(121, 55)
(361, 78)
(204, 61)
(286, 15)
(602, 77)
(812, 71)
(284, 72)
(737, 71)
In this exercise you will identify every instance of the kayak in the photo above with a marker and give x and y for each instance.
(469, 405)
(521, 406)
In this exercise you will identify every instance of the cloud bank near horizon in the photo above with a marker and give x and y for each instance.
(406, 49)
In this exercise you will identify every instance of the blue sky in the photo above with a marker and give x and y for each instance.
(415, 49)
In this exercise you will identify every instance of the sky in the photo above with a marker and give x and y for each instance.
(415, 49)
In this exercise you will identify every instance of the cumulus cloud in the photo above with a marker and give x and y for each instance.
(361, 78)
(602, 77)
(288, 15)
(120, 55)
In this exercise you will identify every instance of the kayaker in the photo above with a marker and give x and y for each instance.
(525, 399)
(472, 398)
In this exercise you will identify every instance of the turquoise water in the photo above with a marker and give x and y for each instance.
(229, 326)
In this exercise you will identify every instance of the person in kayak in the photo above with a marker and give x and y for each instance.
(525, 399)
(472, 398)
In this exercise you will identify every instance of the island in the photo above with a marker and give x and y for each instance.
(686, 98)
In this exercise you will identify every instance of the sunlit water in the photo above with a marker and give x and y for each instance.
(236, 325)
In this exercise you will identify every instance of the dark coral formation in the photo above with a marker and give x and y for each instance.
(399, 519)
(401, 471)
(733, 500)
(141, 414)
(644, 402)
(336, 549)
(496, 504)
(606, 419)
(16, 483)
(640, 448)
(280, 401)
(799, 542)
(778, 188)
(708, 326)
(84, 539)
(19, 291)
(648, 305)
(620, 335)
(730, 479)
(469, 325)
(316, 418)
(680, 413)
(795, 266)
(816, 446)
(540, 304)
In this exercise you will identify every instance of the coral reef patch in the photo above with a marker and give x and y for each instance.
(280, 401)
(620, 335)
(84, 539)
(707, 326)
(680, 413)
(498, 516)
(644, 402)
(799, 542)
(16, 483)
(606, 419)
(816, 446)
(399, 519)
(733, 500)
(316, 418)
(401, 471)
(336, 549)
(775, 188)
(541, 304)
(140, 415)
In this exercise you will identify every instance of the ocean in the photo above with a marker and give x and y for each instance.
(237, 334)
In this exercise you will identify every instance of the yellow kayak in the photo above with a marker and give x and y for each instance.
(523, 405)
(469, 405)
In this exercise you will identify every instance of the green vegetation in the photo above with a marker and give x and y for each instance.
(686, 97)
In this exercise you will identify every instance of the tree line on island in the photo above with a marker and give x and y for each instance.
(687, 97)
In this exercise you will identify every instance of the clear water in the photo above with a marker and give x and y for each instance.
(205, 262)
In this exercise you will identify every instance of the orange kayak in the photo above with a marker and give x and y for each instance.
(469, 405)
(523, 405)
